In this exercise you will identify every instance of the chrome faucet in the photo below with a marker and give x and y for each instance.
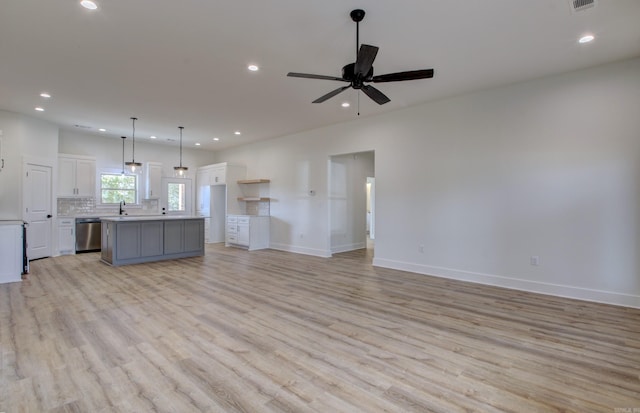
(121, 204)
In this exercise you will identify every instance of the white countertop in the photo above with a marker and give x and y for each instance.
(11, 222)
(130, 218)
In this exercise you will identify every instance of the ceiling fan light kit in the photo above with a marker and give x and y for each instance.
(360, 72)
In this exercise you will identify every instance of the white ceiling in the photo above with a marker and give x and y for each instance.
(185, 62)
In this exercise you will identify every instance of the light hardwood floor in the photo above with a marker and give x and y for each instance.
(268, 331)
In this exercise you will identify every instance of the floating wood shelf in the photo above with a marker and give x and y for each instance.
(253, 198)
(254, 181)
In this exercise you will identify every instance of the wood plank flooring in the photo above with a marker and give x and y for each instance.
(268, 331)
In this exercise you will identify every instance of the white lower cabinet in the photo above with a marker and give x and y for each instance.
(11, 251)
(66, 236)
(247, 231)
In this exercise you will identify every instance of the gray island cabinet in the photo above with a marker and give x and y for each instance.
(133, 240)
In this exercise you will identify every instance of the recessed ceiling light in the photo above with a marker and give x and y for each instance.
(102, 130)
(197, 143)
(587, 38)
(152, 137)
(88, 4)
(346, 104)
(39, 109)
(237, 132)
(216, 139)
(253, 68)
(45, 95)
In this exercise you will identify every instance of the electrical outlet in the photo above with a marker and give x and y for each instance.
(535, 260)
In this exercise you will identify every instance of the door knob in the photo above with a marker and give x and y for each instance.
(49, 216)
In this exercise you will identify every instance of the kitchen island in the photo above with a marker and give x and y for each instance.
(138, 239)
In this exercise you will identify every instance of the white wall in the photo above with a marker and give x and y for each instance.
(108, 152)
(484, 181)
(24, 138)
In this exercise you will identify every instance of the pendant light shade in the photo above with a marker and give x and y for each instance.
(180, 170)
(133, 164)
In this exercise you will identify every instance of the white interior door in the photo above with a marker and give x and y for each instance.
(37, 204)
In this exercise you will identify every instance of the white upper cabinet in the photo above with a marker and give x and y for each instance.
(218, 175)
(153, 180)
(76, 176)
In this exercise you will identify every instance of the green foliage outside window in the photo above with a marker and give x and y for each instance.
(115, 188)
(176, 194)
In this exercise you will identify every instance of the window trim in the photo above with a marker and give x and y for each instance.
(118, 172)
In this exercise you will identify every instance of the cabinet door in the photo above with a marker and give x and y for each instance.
(151, 236)
(66, 177)
(202, 178)
(193, 235)
(128, 240)
(66, 239)
(218, 176)
(154, 180)
(243, 234)
(173, 237)
(85, 177)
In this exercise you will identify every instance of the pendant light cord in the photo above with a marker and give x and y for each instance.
(181, 127)
(133, 136)
(123, 138)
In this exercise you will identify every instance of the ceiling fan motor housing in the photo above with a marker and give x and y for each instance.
(348, 73)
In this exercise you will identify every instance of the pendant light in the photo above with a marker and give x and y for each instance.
(123, 138)
(180, 170)
(133, 164)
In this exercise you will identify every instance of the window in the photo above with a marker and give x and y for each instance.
(176, 199)
(117, 187)
(176, 196)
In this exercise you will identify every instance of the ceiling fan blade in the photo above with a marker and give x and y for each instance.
(331, 94)
(366, 56)
(399, 76)
(310, 76)
(377, 96)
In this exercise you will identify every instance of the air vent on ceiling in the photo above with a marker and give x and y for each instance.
(580, 5)
(82, 126)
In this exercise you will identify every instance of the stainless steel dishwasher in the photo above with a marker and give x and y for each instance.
(88, 233)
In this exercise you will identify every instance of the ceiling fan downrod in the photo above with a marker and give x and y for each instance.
(357, 15)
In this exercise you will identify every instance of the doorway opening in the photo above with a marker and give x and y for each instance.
(352, 202)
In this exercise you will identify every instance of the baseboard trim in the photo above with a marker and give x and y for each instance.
(348, 247)
(599, 296)
(300, 250)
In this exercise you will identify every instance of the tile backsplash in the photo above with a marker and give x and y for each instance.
(71, 207)
(68, 207)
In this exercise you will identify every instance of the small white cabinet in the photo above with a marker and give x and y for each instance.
(153, 178)
(76, 176)
(66, 236)
(11, 251)
(218, 175)
(246, 231)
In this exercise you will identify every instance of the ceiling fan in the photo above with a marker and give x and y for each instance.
(361, 72)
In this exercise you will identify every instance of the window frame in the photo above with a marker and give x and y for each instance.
(119, 173)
